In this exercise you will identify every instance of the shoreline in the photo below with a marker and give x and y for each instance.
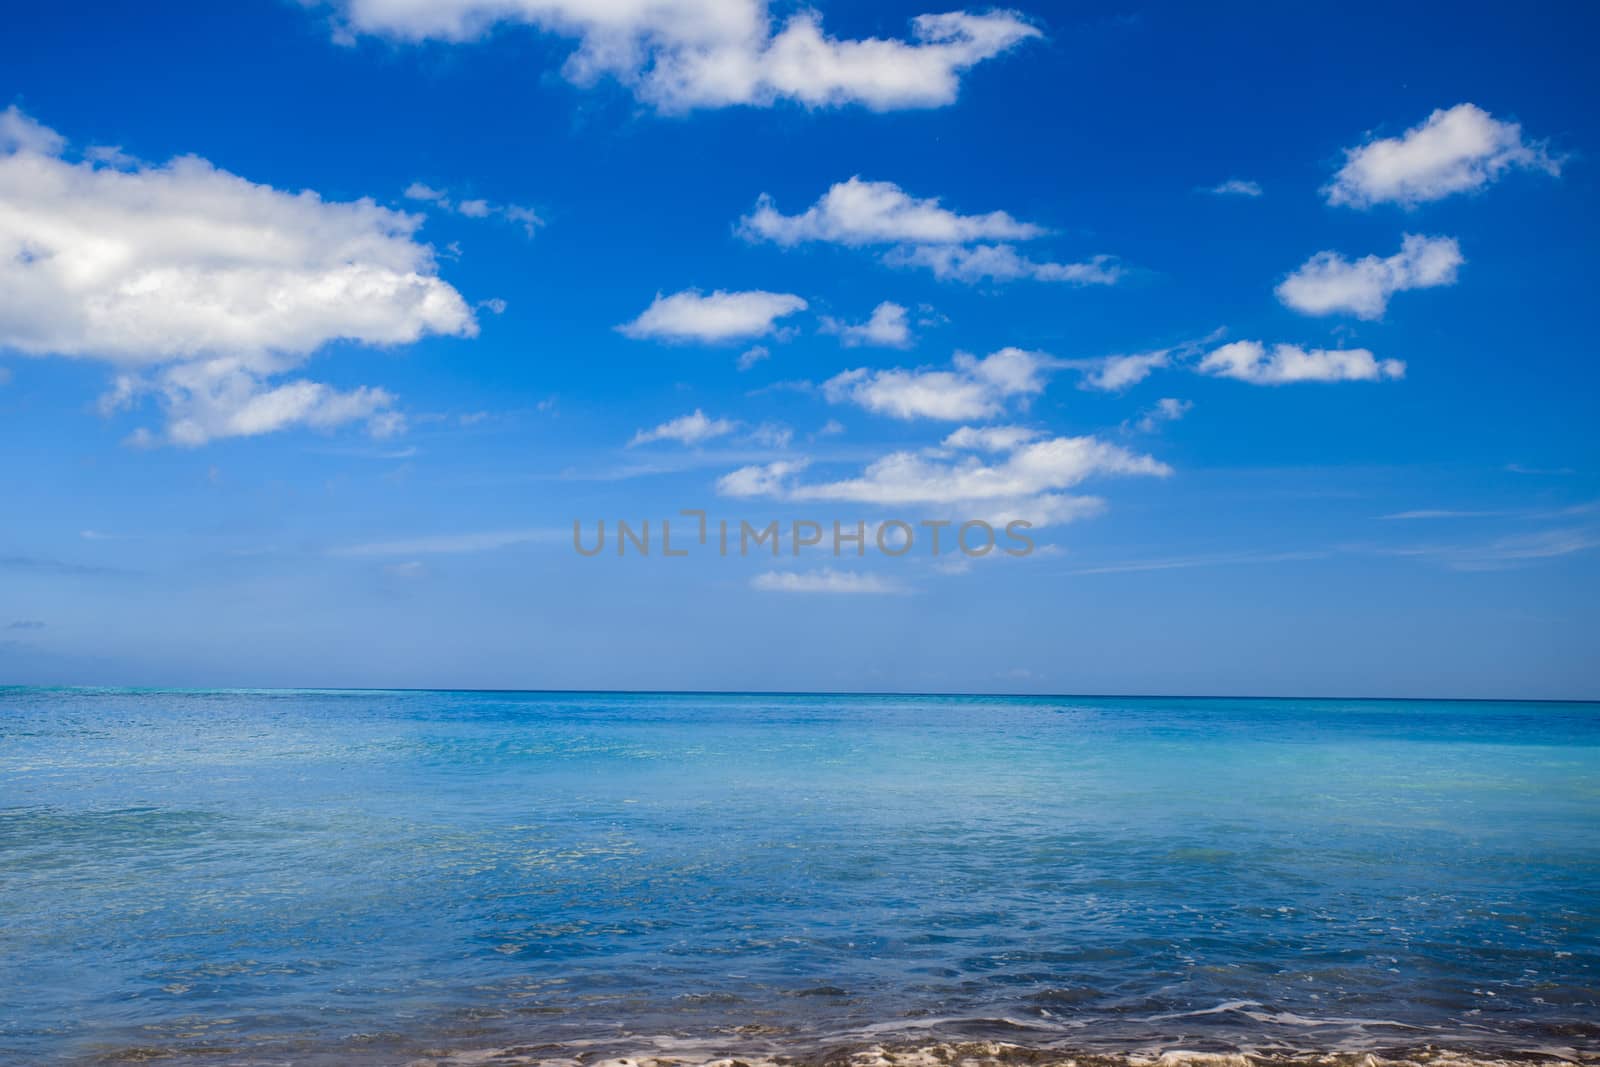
(845, 1052)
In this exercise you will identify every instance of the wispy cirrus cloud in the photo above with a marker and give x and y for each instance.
(518, 214)
(1236, 187)
(1504, 553)
(1568, 511)
(826, 580)
(451, 544)
(50, 565)
(1225, 559)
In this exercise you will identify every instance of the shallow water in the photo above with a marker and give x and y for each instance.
(343, 877)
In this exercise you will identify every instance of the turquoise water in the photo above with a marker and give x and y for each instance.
(351, 877)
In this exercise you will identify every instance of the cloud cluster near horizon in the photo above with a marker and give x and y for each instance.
(998, 474)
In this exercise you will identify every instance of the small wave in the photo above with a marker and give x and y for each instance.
(991, 1054)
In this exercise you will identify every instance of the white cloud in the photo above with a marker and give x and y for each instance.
(1444, 513)
(1249, 361)
(1328, 283)
(419, 191)
(990, 438)
(1027, 483)
(525, 217)
(766, 479)
(21, 135)
(1236, 187)
(711, 317)
(1458, 150)
(772, 435)
(206, 400)
(753, 355)
(975, 389)
(857, 212)
(1002, 263)
(689, 429)
(887, 326)
(203, 286)
(1031, 468)
(825, 580)
(1167, 409)
(678, 55)
(1116, 373)
(1113, 374)
(923, 233)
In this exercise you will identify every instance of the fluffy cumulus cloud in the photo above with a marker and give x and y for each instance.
(1027, 480)
(713, 317)
(678, 55)
(974, 389)
(857, 212)
(691, 429)
(920, 232)
(1253, 362)
(887, 327)
(1458, 150)
(203, 287)
(824, 580)
(1328, 283)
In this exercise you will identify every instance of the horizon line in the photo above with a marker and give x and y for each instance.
(4, 686)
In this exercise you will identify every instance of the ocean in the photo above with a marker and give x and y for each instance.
(343, 877)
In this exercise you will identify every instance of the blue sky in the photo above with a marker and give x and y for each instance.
(320, 326)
